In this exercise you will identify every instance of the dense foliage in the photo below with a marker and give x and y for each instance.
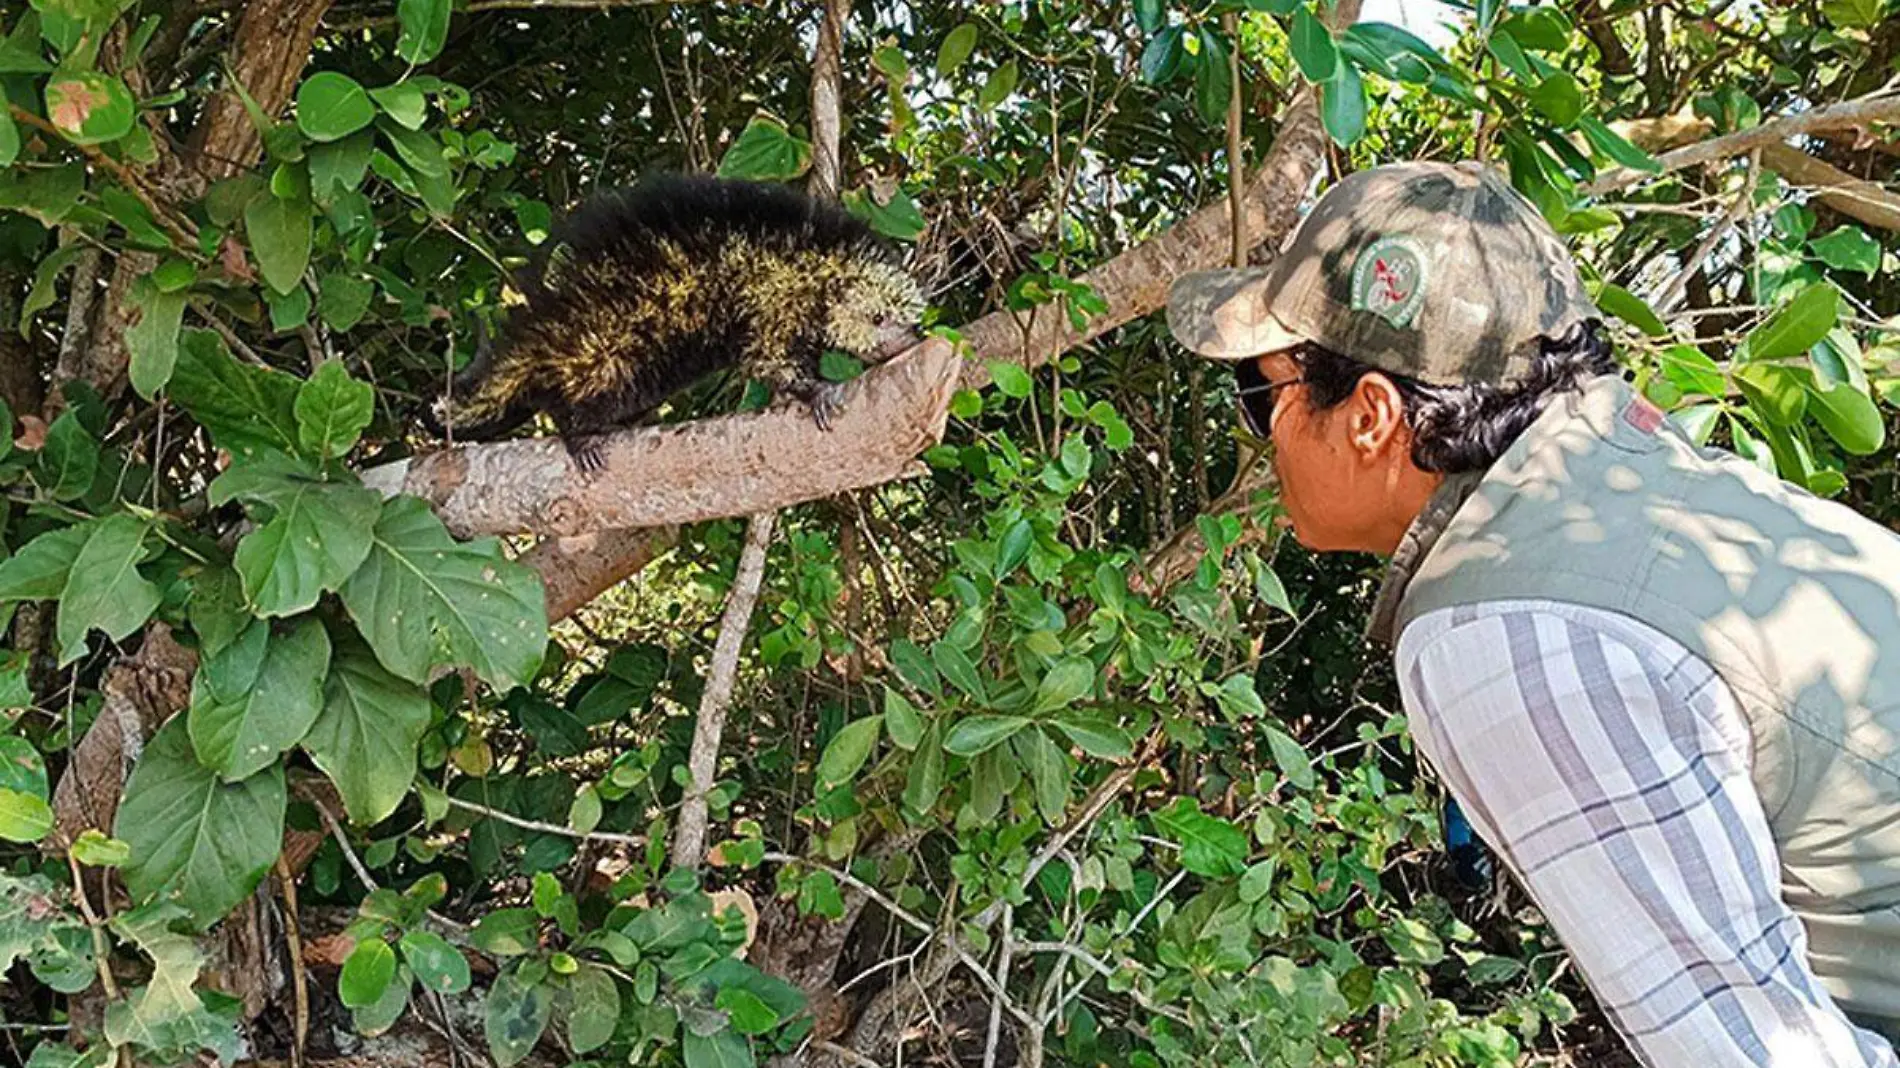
(989, 788)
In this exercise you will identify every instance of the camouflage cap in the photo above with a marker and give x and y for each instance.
(1439, 272)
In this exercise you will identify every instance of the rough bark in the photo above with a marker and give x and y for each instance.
(576, 570)
(682, 473)
(1857, 198)
(268, 57)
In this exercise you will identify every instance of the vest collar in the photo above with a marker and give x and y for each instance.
(1415, 546)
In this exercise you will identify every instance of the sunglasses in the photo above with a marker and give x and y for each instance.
(1257, 396)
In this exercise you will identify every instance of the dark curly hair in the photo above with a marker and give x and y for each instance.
(1466, 428)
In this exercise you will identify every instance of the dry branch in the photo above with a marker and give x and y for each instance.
(708, 469)
(1856, 198)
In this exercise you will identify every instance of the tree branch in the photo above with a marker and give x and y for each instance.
(1882, 106)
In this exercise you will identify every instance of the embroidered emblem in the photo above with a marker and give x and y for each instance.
(1643, 415)
(1388, 280)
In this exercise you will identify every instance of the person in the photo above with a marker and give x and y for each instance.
(1664, 685)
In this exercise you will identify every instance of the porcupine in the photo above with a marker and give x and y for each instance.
(644, 291)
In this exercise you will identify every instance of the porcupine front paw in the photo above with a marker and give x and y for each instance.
(826, 401)
(586, 453)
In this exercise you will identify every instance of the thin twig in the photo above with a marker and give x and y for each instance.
(293, 939)
(1007, 943)
(546, 828)
(1678, 286)
(181, 231)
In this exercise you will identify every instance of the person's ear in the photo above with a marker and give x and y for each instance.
(1378, 416)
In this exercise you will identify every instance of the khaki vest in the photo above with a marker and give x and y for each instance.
(1794, 601)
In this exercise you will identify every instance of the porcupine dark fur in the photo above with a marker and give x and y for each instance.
(642, 292)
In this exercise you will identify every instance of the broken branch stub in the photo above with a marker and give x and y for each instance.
(687, 472)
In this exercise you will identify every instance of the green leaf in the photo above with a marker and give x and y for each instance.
(721, 1049)
(425, 29)
(404, 102)
(593, 1008)
(747, 1012)
(902, 719)
(1209, 847)
(88, 107)
(1149, 15)
(766, 151)
(365, 738)
(342, 299)
(924, 780)
(332, 409)
(1213, 80)
(245, 408)
(900, 218)
(955, 665)
(380, 1015)
(1292, 758)
(438, 965)
(211, 840)
(1630, 308)
(367, 972)
(1852, 14)
(23, 817)
(338, 167)
(978, 734)
(68, 460)
(1798, 325)
(1412, 942)
(1343, 105)
(1848, 248)
(1313, 47)
(1010, 378)
(514, 1016)
(1098, 739)
(1777, 393)
(320, 535)
(998, 86)
(22, 769)
(1850, 418)
(250, 704)
(95, 850)
(423, 600)
(956, 48)
(1162, 58)
(152, 340)
(508, 932)
(1613, 145)
(332, 106)
(1070, 679)
(848, 750)
(104, 590)
(1559, 97)
(1049, 773)
(38, 571)
(14, 691)
(421, 151)
(280, 237)
(9, 139)
(44, 293)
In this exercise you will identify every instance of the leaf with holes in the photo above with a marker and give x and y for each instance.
(319, 535)
(212, 841)
(423, 599)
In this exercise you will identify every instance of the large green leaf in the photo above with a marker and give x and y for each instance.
(1559, 97)
(436, 964)
(365, 738)
(104, 590)
(848, 750)
(332, 105)
(342, 299)
(1313, 47)
(1213, 80)
(1209, 846)
(593, 1008)
(332, 409)
(977, 734)
(1613, 145)
(339, 166)
(153, 339)
(367, 973)
(1848, 248)
(9, 139)
(765, 151)
(280, 232)
(1798, 325)
(424, 600)
(1850, 417)
(957, 47)
(245, 408)
(247, 709)
(1162, 57)
(68, 460)
(317, 539)
(38, 571)
(425, 29)
(209, 840)
(721, 1049)
(998, 86)
(1343, 105)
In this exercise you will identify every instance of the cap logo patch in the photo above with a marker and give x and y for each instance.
(1388, 280)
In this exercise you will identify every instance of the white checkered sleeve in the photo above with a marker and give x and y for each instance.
(1608, 767)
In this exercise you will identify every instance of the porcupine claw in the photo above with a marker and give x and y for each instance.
(586, 453)
(826, 402)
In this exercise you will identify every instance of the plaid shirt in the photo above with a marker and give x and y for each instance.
(1609, 768)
